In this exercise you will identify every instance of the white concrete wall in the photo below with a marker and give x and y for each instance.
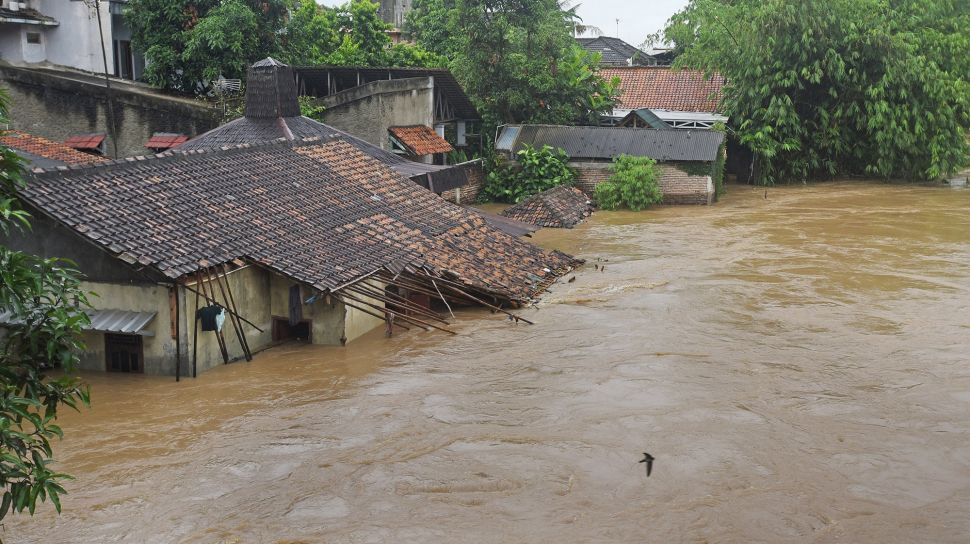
(76, 42)
(11, 43)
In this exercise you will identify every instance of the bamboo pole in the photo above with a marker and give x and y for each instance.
(236, 326)
(195, 334)
(178, 337)
(232, 300)
(244, 320)
(369, 312)
(398, 300)
(219, 339)
(409, 319)
(443, 299)
(483, 303)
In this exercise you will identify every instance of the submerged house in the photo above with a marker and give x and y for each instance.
(689, 159)
(306, 239)
(272, 112)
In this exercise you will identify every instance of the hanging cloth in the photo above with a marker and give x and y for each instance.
(296, 306)
(210, 317)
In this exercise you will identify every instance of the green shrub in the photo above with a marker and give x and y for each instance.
(634, 184)
(537, 170)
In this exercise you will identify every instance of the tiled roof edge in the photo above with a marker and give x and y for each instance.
(173, 154)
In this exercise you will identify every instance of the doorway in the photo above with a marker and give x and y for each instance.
(124, 353)
(283, 331)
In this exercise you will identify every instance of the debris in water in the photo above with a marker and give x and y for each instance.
(648, 459)
(572, 279)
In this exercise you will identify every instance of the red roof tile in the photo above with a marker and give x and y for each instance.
(165, 140)
(662, 88)
(48, 149)
(561, 207)
(421, 140)
(85, 141)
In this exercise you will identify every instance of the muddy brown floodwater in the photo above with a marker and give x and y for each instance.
(798, 365)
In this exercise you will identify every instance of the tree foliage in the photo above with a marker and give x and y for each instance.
(537, 170)
(188, 43)
(516, 58)
(819, 89)
(634, 184)
(46, 305)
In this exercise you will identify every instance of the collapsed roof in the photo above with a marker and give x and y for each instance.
(561, 207)
(319, 212)
(273, 112)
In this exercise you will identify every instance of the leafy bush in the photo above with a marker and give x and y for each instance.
(537, 170)
(634, 184)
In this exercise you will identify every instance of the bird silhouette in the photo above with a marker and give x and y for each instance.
(648, 459)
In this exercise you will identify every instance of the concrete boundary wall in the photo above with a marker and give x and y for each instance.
(369, 110)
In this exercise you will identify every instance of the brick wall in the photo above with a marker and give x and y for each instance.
(678, 187)
(469, 193)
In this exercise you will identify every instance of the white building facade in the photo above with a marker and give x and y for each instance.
(66, 33)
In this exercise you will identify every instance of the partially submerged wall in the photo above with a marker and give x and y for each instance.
(468, 194)
(678, 187)
(369, 110)
(60, 104)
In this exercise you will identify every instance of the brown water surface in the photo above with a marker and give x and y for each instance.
(798, 365)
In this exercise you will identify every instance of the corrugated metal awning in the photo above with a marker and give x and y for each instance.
(114, 321)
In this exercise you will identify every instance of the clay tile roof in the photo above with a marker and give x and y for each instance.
(46, 149)
(662, 88)
(421, 140)
(85, 141)
(562, 207)
(161, 141)
(321, 213)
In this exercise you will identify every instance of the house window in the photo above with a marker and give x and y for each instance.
(124, 353)
(33, 38)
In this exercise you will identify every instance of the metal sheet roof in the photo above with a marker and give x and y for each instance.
(115, 321)
(604, 143)
(506, 140)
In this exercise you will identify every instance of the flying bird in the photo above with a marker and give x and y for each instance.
(648, 459)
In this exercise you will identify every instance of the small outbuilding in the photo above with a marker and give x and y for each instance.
(689, 159)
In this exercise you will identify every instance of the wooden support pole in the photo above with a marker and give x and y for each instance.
(219, 339)
(443, 299)
(178, 336)
(447, 285)
(243, 319)
(369, 312)
(236, 326)
(409, 319)
(391, 298)
(235, 309)
(195, 334)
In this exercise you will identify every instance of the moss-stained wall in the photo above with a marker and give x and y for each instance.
(58, 105)
(369, 110)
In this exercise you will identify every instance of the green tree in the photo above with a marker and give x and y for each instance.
(352, 34)
(535, 171)
(188, 43)
(45, 304)
(634, 183)
(820, 89)
(428, 23)
(519, 61)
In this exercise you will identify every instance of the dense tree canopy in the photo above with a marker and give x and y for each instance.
(190, 43)
(517, 58)
(46, 303)
(349, 35)
(818, 89)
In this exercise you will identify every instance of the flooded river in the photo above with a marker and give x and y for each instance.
(798, 365)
